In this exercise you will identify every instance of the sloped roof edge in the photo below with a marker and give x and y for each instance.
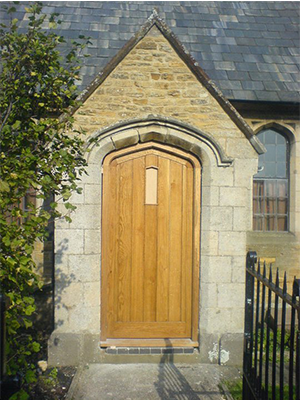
(155, 20)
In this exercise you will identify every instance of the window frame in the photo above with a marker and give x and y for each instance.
(263, 214)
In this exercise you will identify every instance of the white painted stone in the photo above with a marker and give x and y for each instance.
(209, 242)
(93, 174)
(232, 243)
(77, 198)
(208, 295)
(242, 219)
(92, 194)
(69, 241)
(85, 268)
(216, 269)
(238, 269)
(87, 216)
(91, 294)
(92, 244)
(210, 196)
(230, 294)
(221, 218)
(233, 196)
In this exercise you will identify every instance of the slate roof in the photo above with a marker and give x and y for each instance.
(250, 49)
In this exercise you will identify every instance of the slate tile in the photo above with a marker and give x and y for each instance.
(134, 351)
(267, 67)
(177, 350)
(208, 56)
(252, 34)
(293, 86)
(188, 350)
(267, 96)
(224, 65)
(272, 35)
(289, 96)
(246, 67)
(234, 33)
(144, 350)
(217, 75)
(292, 69)
(238, 75)
(154, 350)
(122, 351)
(244, 95)
(233, 57)
(274, 86)
(261, 76)
(220, 48)
(245, 41)
(281, 77)
(226, 40)
(253, 58)
(240, 49)
(273, 59)
(250, 85)
(230, 84)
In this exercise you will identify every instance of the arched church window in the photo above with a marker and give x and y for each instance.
(271, 184)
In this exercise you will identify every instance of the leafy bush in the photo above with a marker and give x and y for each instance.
(42, 157)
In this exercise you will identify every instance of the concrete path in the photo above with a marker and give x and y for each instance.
(150, 382)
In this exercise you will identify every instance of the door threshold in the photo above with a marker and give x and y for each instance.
(162, 343)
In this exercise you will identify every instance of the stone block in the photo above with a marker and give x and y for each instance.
(221, 218)
(233, 196)
(84, 319)
(77, 198)
(209, 347)
(216, 269)
(209, 242)
(232, 243)
(244, 169)
(215, 320)
(64, 349)
(91, 294)
(69, 241)
(225, 295)
(208, 295)
(86, 216)
(93, 174)
(152, 132)
(85, 268)
(240, 148)
(238, 269)
(125, 138)
(231, 349)
(92, 244)
(92, 194)
(68, 294)
(242, 219)
(210, 196)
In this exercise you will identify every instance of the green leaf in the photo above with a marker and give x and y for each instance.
(36, 347)
(4, 186)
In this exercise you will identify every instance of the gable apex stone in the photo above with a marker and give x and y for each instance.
(155, 21)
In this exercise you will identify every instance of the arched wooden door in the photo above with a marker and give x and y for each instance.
(150, 247)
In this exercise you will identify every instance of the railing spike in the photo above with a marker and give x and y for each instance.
(264, 272)
(284, 283)
(277, 278)
(258, 267)
(270, 273)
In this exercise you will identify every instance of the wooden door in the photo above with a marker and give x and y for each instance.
(149, 251)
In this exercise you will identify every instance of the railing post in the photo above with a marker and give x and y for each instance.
(296, 293)
(248, 333)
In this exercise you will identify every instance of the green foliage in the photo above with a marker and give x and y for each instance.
(42, 157)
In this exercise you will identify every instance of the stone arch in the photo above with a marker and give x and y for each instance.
(280, 128)
(157, 129)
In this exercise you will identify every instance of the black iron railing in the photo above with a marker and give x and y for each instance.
(271, 367)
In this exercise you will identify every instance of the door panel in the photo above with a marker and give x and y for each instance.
(148, 244)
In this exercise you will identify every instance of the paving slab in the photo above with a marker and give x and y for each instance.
(150, 381)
